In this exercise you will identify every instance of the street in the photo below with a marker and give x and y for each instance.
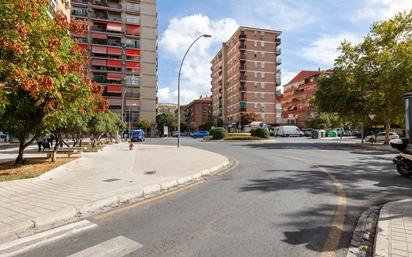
(279, 201)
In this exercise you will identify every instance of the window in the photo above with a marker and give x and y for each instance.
(262, 43)
(256, 64)
(255, 43)
(263, 85)
(263, 54)
(263, 65)
(263, 75)
(255, 73)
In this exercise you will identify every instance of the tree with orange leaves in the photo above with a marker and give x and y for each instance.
(42, 82)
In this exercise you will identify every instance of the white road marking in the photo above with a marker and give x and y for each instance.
(29, 243)
(115, 247)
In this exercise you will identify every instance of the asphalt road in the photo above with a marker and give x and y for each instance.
(283, 199)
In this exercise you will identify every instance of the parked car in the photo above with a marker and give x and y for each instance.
(347, 133)
(137, 135)
(200, 134)
(381, 137)
(308, 132)
(289, 131)
(357, 133)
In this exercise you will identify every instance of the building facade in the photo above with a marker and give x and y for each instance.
(166, 108)
(245, 74)
(298, 97)
(59, 5)
(199, 111)
(122, 48)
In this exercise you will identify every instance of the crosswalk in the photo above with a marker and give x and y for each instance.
(116, 247)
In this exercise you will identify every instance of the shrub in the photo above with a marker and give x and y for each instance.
(238, 134)
(240, 138)
(218, 133)
(260, 132)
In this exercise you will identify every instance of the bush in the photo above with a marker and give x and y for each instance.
(238, 134)
(241, 138)
(218, 133)
(260, 132)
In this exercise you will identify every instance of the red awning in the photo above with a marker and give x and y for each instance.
(114, 89)
(133, 29)
(114, 63)
(114, 27)
(114, 51)
(98, 62)
(83, 46)
(133, 65)
(114, 76)
(99, 35)
(99, 49)
(132, 52)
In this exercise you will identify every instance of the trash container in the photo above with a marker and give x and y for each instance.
(321, 133)
(333, 133)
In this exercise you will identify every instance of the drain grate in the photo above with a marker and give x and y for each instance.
(151, 172)
(111, 180)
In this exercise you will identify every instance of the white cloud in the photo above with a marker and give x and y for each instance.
(375, 10)
(323, 50)
(196, 70)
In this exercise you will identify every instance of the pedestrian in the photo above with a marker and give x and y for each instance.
(39, 143)
(51, 138)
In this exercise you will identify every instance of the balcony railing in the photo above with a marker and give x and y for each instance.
(278, 51)
(278, 41)
(242, 67)
(242, 58)
(278, 61)
(79, 1)
(242, 47)
(242, 37)
(243, 78)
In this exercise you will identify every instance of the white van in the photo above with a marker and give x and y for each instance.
(289, 131)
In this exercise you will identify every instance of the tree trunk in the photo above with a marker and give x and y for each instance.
(387, 130)
(22, 146)
(58, 142)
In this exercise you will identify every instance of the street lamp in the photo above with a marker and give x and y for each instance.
(178, 86)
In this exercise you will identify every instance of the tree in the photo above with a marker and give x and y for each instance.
(166, 119)
(247, 118)
(105, 122)
(143, 123)
(372, 76)
(191, 127)
(41, 72)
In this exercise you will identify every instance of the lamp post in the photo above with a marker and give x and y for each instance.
(178, 86)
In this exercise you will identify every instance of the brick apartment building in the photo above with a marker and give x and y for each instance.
(245, 74)
(199, 111)
(122, 48)
(298, 96)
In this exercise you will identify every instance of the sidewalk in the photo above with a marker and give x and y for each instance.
(97, 182)
(394, 230)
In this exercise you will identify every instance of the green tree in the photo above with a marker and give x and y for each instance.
(143, 123)
(166, 119)
(372, 76)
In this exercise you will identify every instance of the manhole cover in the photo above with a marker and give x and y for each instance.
(151, 172)
(111, 180)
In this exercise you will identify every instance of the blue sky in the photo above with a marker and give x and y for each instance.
(312, 30)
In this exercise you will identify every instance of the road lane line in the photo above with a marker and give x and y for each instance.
(115, 247)
(35, 241)
(332, 243)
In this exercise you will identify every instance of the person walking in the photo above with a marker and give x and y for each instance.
(50, 139)
(39, 143)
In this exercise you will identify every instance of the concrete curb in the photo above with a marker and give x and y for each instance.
(364, 234)
(68, 215)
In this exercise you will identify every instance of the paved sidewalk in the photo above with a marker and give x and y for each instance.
(99, 181)
(394, 230)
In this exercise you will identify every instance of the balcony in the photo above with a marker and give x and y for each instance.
(243, 47)
(110, 4)
(79, 1)
(242, 58)
(242, 78)
(278, 41)
(242, 37)
(278, 51)
(242, 88)
(278, 61)
(79, 12)
(242, 67)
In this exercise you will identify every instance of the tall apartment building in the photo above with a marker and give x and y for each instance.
(245, 74)
(60, 5)
(297, 103)
(122, 47)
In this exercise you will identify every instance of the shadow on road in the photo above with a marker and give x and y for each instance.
(368, 177)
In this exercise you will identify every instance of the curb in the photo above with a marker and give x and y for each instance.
(363, 236)
(68, 215)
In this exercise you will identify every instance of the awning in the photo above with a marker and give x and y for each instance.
(114, 76)
(132, 52)
(114, 89)
(99, 49)
(114, 27)
(114, 63)
(99, 35)
(83, 46)
(98, 62)
(133, 65)
(132, 30)
(114, 51)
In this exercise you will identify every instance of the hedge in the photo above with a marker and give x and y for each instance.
(260, 132)
(218, 133)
